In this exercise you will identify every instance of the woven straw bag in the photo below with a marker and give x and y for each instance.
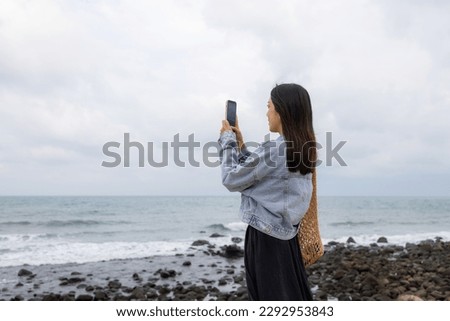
(308, 234)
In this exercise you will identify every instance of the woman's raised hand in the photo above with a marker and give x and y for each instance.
(226, 126)
(239, 137)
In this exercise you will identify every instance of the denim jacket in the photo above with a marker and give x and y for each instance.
(273, 199)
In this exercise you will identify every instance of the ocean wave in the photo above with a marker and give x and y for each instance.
(394, 239)
(237, 226)
(429, 222)
(17, 238)
(67, 252)
(63, 223)
(218, 227)
(352, 223)
(90, 233)
(59, 223)
(16, 223)
(233, 226)
(48, 250)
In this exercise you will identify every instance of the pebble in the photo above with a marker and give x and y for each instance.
(216, 235)
(136, 277)
(100, 296)
(236, 240)
(85, 297)
(232, 251)
(345, 272)
(24, 272)
(200, 243)
(382, 273)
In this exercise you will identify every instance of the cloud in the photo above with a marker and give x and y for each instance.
(77, 74)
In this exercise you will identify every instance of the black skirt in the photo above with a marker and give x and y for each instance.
(274, 268)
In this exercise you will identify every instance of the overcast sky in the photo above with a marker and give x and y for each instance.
(75, 75)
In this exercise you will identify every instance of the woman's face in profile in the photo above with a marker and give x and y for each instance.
(273, 118)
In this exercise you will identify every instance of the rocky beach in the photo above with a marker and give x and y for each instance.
(347, 271)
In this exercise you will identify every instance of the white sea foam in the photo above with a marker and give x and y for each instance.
(236, 226)
(65, 252)
(37, 249)
(42, 249)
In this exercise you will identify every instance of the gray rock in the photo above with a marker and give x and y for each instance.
(136, 277)
(167, 273)
(242, 293)
(190, 296)
(100, 296)
(321, 295)
(206, 281)
(51, 297)
(236, 240)
(115, 285)
(216, 235)
(382, 240)
(152, 294)
(200, 243)
(24, 272)
(164, 290)
(121, 297)
(138, 294)
(232, 251)
(339, 274)
(238, 279)
(68, 297)
(361, 267)
(75, 280)
(344, 297)
(437, 295)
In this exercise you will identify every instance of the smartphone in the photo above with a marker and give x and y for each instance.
(231, 112)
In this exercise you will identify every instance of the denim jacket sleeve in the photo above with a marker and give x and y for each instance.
(241, 169)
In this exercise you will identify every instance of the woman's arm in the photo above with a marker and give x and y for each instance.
(239, 173)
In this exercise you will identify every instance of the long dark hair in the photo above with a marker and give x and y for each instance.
(293, 104)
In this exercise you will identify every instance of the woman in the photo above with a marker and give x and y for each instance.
(276, 187)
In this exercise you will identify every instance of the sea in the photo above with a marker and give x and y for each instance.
(78, 229)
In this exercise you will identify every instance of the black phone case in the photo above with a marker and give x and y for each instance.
(231, 112)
